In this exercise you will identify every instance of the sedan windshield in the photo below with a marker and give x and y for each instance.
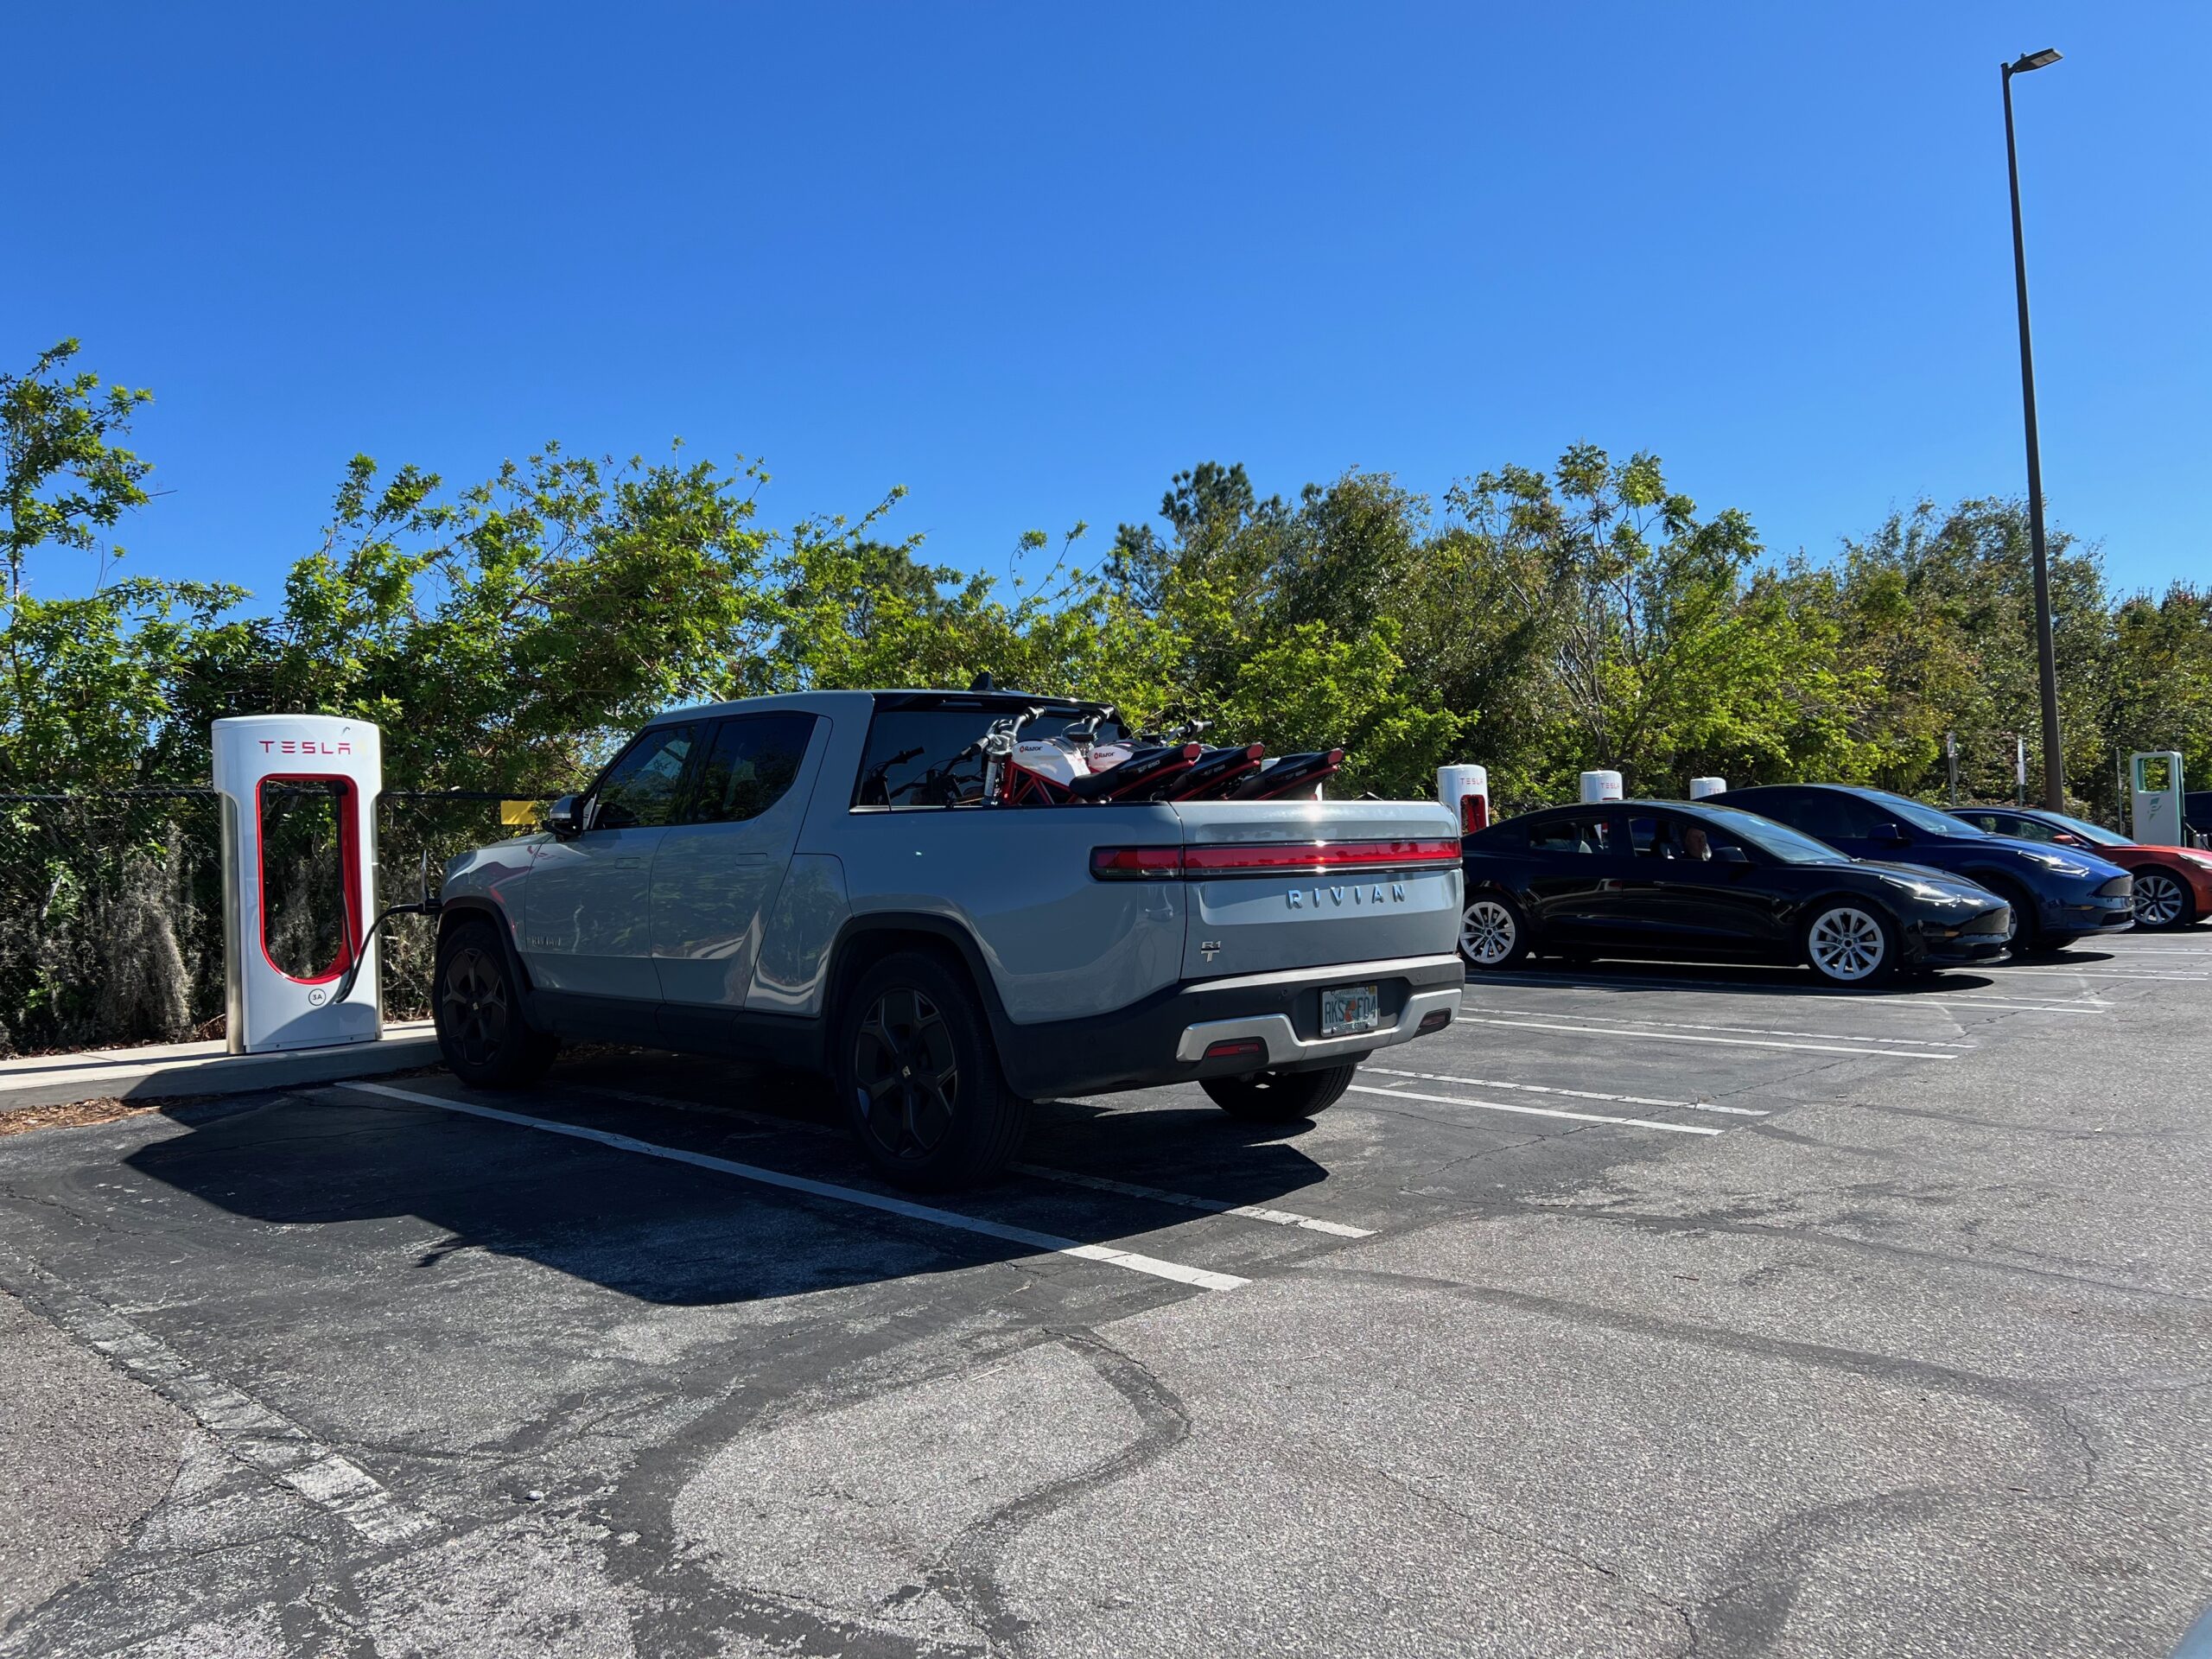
(2096, 834)
(1926, 819)
(1776, 840)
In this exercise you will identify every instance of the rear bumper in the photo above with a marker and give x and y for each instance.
(1164, 1038)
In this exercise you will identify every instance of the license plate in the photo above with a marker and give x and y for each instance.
(1350, 1009)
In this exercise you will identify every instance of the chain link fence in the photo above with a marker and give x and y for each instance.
(111, 903)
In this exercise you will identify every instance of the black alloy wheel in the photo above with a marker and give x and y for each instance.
(482, 1033)
(919, 1076)
(907, 1075)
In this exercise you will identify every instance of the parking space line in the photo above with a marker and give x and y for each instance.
(1748, 1031)
(1695, 1037)
(1065, 1177)
(1536, 1111)
(1190, 1201)
(2094, 972)
(1574, 1094)
(250, 1432)
(1204, 1279)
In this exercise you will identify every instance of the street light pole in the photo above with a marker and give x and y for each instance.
(2054, 765)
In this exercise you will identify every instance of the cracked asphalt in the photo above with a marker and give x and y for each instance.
(1647, 1311)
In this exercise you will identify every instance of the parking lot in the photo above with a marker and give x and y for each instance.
(1647, 1310)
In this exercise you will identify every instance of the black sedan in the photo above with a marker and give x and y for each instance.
(1682, 879)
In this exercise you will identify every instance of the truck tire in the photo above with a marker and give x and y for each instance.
(919, 1076)
(483, 1034)
(1280, 1096)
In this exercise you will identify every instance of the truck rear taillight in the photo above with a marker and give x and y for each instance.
(1136, 863)
(1215, 860)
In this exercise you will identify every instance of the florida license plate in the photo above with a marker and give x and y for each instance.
(1350, 1009)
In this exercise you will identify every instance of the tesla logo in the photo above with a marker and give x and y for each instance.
(304, 745)
(1345, 898)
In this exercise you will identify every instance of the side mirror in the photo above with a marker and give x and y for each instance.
(1731, 856)
(565, 818)
(2066, 839)
(1891, 834)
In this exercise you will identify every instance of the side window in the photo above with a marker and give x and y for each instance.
(749, 766)
(1677, 840)
(1988, 821)
(1828, 817)
(640, 789)
(1579, 835)
(2023, 829)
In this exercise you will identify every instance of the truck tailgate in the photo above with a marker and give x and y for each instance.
(1330, 881)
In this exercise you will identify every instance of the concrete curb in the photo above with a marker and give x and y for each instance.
(204, 1069)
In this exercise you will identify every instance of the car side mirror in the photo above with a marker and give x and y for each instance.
(565, 818)
(1891, 834)
(2066, 839)
(1731, 856)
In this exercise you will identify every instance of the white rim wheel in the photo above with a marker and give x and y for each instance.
(1487, 934)
(1846, 944)
(2158, 899)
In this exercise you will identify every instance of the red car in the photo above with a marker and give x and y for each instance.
(2173, 885)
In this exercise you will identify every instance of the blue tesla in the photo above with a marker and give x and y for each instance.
(2058, 894)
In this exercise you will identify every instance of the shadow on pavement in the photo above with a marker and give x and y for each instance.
(669, 1232)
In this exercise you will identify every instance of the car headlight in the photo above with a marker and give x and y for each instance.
(2053, 862)
(1931, 893)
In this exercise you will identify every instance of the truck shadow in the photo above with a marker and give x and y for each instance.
(353, 1159)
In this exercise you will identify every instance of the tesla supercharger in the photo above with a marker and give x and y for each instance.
(2155, 792)
(1465, 790)
(259, 758)
(1600, 786)
(1701, 787)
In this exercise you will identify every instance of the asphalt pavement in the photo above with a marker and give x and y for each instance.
(1652, 1310)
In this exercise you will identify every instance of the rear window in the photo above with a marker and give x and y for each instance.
(926, 756)
(1592, 835)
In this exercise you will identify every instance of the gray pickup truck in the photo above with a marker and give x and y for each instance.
(813, 882)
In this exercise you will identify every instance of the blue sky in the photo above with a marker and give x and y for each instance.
(1030, 260)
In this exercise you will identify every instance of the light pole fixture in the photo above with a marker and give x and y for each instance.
(2054, 765)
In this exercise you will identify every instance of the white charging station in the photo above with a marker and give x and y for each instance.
(2154, 790)
(1600, 786)
(1465, 790)
(267, 1007)
(1701, 787)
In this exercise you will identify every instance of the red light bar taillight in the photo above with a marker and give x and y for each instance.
(1136, 863)
(1217, 859)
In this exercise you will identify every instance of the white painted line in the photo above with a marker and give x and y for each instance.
(1202, 1277)
(1574, 1094)
(2090, 971)
(1745, 1031)
(2092, 1005)
(1693, 1037)
(1065, 1177)
(1188, 1201)
(1536, 1111)
(249, 1431)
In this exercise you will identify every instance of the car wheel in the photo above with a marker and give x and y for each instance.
(1850, 943)
(2162, 899)
(2028, 937)
(1280, 1096)
(482, 1033)
(1493, 933)
(916, 1067)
